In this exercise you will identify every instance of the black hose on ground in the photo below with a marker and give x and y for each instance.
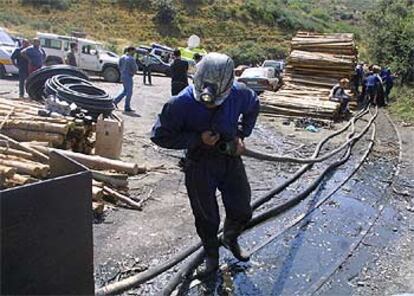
(260, 201)
(272, 212)
(35, 83)
(136, 280)
(302, 216)
(81, 92)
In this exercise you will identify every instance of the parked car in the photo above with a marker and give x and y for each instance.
(240, 69)
(278, 65)
(162, 51)
(260, 79)
(157, 66)
(91, 56)
(7, 46)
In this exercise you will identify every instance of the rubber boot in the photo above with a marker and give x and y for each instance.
(229, 240)
(210, 266)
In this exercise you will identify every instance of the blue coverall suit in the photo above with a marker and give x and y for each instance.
(372, 84)
(388, 80)
(179, 126)
(128, 67)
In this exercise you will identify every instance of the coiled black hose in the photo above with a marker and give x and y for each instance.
(35, 83)
(81, 92)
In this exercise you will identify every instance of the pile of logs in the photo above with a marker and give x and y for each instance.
(18, 166)
(26, 140)
(20, 120)
(316, 63)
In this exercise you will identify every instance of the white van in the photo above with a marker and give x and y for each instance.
(7, 46)
(91, 55)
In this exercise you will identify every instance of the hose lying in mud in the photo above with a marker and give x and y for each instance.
(272, 212)
(302, 216)
(138, 279)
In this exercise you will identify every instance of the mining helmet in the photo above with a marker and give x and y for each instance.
(213, 79)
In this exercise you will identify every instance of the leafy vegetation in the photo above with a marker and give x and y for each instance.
(54, 4)
(249, 30)
(391, 36)
(403, 102)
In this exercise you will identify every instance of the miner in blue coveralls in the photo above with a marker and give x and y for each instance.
(211, 119)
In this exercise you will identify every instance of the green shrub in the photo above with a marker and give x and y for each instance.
(54, 4)
(135, 4)
(166, 12)
(250, 52)
(403, 102)
(390, 36)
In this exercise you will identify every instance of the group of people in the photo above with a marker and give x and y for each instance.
(27, 58)
(372, 85)
(128, 67)
(376, 84)
(30, 56)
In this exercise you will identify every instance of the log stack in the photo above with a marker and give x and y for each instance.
(316, 63)
(26, 139)
(19, 167)
(21, 121)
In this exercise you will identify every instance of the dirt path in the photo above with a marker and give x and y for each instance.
(392, 270)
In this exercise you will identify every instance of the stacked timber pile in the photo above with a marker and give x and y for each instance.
(316, 63)
(26, 139)
(21, 121)
(20, 165)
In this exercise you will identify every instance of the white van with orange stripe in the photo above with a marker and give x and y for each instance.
(7, 45)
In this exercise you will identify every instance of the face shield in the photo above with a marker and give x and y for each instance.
(213, 79)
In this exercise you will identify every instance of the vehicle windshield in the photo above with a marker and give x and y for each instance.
(5, 39)
(275, 65)
(255, 72)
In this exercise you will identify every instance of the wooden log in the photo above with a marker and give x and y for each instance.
(98, 208)
(27, 135)
(97, 193)
(23, 167)
(44, 127)
(110, 180)
(15, 152)
(122, 198)
(98, 162)
(6, 171)
(18, 180)
(26, 148)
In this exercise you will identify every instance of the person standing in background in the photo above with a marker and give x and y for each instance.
(179, 69)
(71, 56)
(35, 55)
(146, 71)
(388, 82)
(22, 64)
(128, 67)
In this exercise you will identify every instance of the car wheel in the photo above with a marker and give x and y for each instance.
(2, 72)
(111, 74)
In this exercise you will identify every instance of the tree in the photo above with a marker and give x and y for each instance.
(166, 12)
(391, 36)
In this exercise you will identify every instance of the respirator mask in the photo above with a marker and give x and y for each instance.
(214, 79)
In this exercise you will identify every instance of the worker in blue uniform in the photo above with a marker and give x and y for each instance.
(388, 82)
(373, 85)
(211, 119)
(128, 67)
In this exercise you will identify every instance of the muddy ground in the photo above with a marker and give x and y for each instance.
(126, 241)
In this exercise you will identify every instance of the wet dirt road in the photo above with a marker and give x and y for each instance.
(339, 249)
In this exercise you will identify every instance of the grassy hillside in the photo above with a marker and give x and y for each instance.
(246, 29)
